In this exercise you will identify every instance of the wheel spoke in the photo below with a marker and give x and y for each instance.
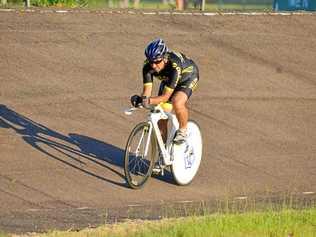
(144, 162)
(138, 165)
(132, 161)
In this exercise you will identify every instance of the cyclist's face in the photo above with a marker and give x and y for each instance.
(158, 65)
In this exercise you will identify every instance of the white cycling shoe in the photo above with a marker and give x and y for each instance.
(180, 137)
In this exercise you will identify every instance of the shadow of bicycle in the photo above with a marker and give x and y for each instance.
(75, 147)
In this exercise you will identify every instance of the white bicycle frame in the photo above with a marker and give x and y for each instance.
(155, 115)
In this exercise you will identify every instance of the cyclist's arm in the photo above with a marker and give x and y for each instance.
(162, 98)
(147, 89)
(147, 80)
(170, 86)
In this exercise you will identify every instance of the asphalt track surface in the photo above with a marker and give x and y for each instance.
(65, 79)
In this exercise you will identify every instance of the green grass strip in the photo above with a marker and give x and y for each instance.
(2, 234)
(285, 223)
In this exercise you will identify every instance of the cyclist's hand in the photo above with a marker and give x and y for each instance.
(136, 100)
(145, 102)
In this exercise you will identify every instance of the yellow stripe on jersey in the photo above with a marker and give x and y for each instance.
(193, 84)
(188, 69)
(168, 89)
(174, 65)
(179, 71)
(148, 84)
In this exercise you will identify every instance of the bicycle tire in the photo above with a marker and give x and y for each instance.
(137, 167)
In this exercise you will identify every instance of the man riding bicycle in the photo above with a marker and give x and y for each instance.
(179, 76)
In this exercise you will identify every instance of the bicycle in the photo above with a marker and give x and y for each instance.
(141, 156)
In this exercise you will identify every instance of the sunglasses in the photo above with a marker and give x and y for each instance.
(156, 61)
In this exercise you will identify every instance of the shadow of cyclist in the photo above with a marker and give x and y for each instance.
(75, 147)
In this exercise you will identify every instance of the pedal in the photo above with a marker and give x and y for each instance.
(157, 170)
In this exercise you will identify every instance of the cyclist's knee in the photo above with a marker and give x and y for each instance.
(179, 104)
(179, 100)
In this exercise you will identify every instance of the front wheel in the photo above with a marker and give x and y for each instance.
(138, 166)
(187, 156)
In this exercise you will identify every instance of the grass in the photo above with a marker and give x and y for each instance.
(284, 223)
(2, 234)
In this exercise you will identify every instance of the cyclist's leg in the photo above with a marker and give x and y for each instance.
(179, 100)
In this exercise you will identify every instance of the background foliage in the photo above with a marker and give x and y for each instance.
(211, 5)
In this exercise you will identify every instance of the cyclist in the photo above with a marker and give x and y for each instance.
(179, 76)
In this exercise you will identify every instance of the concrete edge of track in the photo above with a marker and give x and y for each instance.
(140, 12)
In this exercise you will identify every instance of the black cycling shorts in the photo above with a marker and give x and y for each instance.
(188, 86)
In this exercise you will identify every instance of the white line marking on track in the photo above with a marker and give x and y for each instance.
(7, 10)
(182, 13)
(134, 205)
(33, 210)
(149, 13)
(241, 198)
(62, 11)
(210, 14)
(307, 193)
(164, 13)
(188, 201)
(82, 208)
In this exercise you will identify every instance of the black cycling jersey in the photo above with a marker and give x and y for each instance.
(179, 71)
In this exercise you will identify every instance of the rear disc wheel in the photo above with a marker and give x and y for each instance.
(187, 156)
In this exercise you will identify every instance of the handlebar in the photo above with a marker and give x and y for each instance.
(129, 111)
(153, 109)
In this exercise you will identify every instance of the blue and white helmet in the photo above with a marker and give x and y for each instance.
(156, 50)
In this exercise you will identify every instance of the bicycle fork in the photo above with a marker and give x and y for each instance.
(143, 136)
(165, 154)
(153, 127)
